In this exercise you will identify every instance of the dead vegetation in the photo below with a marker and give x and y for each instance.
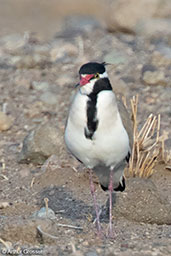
(148, 145)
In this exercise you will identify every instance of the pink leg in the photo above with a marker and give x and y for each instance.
(111, 235)
(95, 204)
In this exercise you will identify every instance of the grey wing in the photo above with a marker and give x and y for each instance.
(126, 120)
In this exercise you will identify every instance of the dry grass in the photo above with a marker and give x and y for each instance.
(146, 144)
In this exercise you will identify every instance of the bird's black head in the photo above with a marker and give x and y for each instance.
(92, 68)
(93, 78)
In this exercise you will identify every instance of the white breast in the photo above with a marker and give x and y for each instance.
(111, 138)
(110, 143)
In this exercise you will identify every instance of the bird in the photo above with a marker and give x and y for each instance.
(98, 132)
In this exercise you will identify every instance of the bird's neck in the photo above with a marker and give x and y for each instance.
(100, 85)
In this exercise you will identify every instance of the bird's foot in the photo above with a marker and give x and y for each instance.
(99, 228)
(110, 233)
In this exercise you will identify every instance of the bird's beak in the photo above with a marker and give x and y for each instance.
(85, 79)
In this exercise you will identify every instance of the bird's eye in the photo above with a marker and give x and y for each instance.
(96, 75)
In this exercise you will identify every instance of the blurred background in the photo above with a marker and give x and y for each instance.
(45, 17)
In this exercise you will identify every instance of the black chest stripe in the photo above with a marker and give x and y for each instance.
(92, 122)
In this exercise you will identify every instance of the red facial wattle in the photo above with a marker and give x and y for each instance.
(86, 79)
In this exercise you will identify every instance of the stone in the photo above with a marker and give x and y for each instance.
(40, 86)
(12, 43)
(29, 61)
(116, 57)
(43, 213)
(140, 17)
(5, 121)
(154, 78)
(154, 28)
(161, 57)
(64, 79)
(35, 109)
(142, 202)
(4, 205)
(92, 253)
(58, 52)
(123, 15)
(49, 98)
(41, 143)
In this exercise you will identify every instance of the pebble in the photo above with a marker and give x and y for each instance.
(13, 43)
(129, 13)
(65, 79)
(43, 213)
(24, 172)
(4, 205)
(162, 57)
(67, 49)
(49, 98)
(5, 121)
(154, 78)
(91, 254)
(154, 28)
(85, 243)
(40, 86)
(29, 61)
(35, 110)
(116, 57)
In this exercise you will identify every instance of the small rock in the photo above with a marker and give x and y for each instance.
(43, 213)
(148, 67)
(40, 86)
(64, 79)
(29, 61)
(25, 172)
(85, 243)
(13, 43)
(42, 50)
(116, 57)
(4, 205)
(49, 98)
(142, 202)
(91, 254)
(35, 109)
(154, 78)
(41, 143)
(154, 28)
(128, 13)
(162, 57)
(67, 49)
(5, 122)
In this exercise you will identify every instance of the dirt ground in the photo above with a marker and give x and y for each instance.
(65, 182)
